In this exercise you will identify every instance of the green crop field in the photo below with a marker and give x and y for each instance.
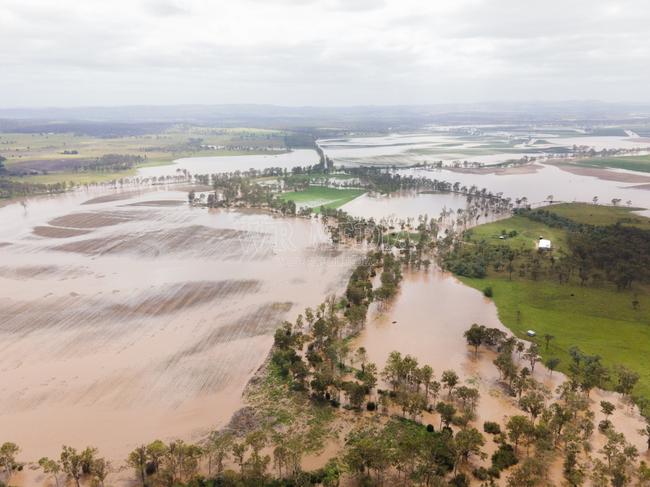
(631, 163)
(601, 215)
(317, 196)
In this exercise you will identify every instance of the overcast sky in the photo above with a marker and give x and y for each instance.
(321, 52)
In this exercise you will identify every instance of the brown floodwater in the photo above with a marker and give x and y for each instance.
(219, 164)
(403, 205)
(427, 320)
(549, 180)
(126, 317)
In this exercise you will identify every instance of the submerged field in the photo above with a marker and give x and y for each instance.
(597, 318)
(132, 316)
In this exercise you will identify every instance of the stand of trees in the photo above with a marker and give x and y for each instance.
(615, 254)
(13, 189)
(564, 426)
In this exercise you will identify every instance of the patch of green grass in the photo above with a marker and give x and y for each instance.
(317, 196)
(528, 233)
(600, 321)
(600, 215)
(282, 408)
(631, 163)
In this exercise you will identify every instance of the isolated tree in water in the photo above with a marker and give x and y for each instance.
(475, 336)
(8, 453)
(450, 380)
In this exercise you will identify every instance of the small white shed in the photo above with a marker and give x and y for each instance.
(544, 244)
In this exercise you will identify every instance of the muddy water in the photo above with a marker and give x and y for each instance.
(427, 320)
(430, 315)
(403, 149)
(548, 180)
(124, 320)
(219, 164)
(403, 205)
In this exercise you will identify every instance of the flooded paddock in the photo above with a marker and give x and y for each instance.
(403, 205)
(483, 145)
(427, 320)
(131, 316)
(548, 180)
(220, 164)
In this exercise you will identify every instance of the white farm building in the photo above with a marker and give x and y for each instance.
(544, 244)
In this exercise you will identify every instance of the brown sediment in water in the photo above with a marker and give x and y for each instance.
(601, 173)
(198, 240)
(132, 348)
(58, 232)
(37, 272)
(194, 187)
(125, 195)
(183, 296)
(79, 311)
(92, 220)
(159, 203)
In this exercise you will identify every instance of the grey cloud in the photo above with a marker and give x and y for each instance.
(321, 51)
(165, 8)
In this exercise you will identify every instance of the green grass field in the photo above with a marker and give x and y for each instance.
(317, 196)
(599, 320)
(601, 215)
(631, 163)
(528, 233)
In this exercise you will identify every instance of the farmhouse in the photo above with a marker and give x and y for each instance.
(544, 244)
